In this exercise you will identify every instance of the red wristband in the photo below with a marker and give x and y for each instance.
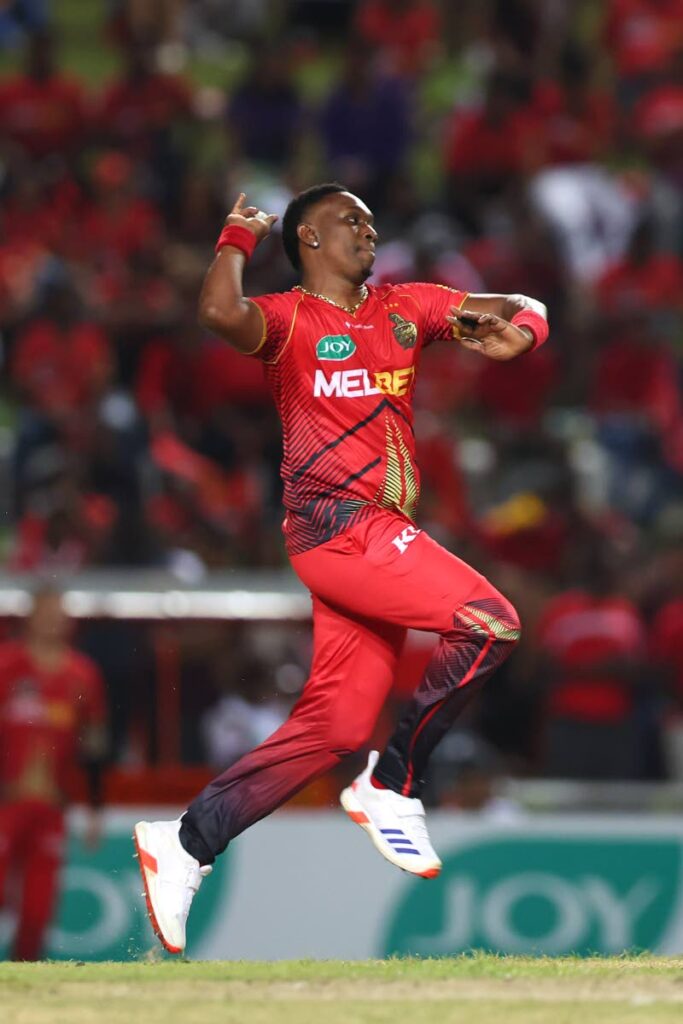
(537, 324)
(239, 238)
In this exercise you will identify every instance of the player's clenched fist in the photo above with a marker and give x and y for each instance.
(250, 217)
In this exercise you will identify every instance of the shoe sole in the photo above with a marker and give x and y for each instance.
(357, 814)
(142, 854)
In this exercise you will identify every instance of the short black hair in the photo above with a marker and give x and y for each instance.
(295, 213)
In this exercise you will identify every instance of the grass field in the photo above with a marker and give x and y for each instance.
(481, 989)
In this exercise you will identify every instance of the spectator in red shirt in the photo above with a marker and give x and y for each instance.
(181, 378)
(143, 113)
(641, 36)
(489, 148)
(61, 361)
(62, 527)
(36, 209)
(143, 104)
(593, 641)
(406, 31)
(42, 110)
(52, 719)
(636, 397)
(579, 120)
(636, 380)
(657, 122)
(519, 401)
(134, 298)
(659, 115)
(646, 278)
(119, 222)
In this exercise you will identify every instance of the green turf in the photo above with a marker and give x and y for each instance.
(485, 989)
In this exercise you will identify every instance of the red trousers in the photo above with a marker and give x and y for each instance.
(369, 584)
(31, 850)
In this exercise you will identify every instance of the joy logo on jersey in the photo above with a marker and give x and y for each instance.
(361, 384)
(335, 346)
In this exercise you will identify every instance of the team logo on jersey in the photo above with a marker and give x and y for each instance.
(335, 346)
(405, 331)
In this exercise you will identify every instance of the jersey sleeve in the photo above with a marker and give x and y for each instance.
(435, 302)
(279, 313)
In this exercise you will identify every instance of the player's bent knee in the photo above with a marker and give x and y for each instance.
(505, 624)
(494, 618)
(512, 624)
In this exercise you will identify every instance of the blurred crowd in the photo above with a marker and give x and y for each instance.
(530, 146)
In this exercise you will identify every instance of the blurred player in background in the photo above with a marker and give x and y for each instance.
(340, 357)
(52, 720)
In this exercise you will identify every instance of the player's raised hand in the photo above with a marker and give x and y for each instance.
(250, 217)
(489, 335)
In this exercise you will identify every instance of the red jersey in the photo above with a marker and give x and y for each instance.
(343, 384)
(579, 630)
(42, 714)
(407, 35)
(133, 111)
(61, 369)
(641, 35)
(45, 115)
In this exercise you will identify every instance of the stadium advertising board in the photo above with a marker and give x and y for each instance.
(543, 886)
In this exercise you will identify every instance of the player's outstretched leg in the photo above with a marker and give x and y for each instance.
(171, 878)
(352, 670)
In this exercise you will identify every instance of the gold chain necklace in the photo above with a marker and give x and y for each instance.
(347, 309)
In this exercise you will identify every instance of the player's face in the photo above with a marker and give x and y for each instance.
(346, 235)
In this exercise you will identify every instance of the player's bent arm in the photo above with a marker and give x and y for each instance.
(505, 306)
(500, 326)
(223, 308)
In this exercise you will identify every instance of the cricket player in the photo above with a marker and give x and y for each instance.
(52, 719)
(340, 357)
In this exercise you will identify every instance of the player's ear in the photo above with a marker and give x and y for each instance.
(308, 235)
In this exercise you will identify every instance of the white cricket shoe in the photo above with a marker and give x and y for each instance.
(171, 877)
(395, 823)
